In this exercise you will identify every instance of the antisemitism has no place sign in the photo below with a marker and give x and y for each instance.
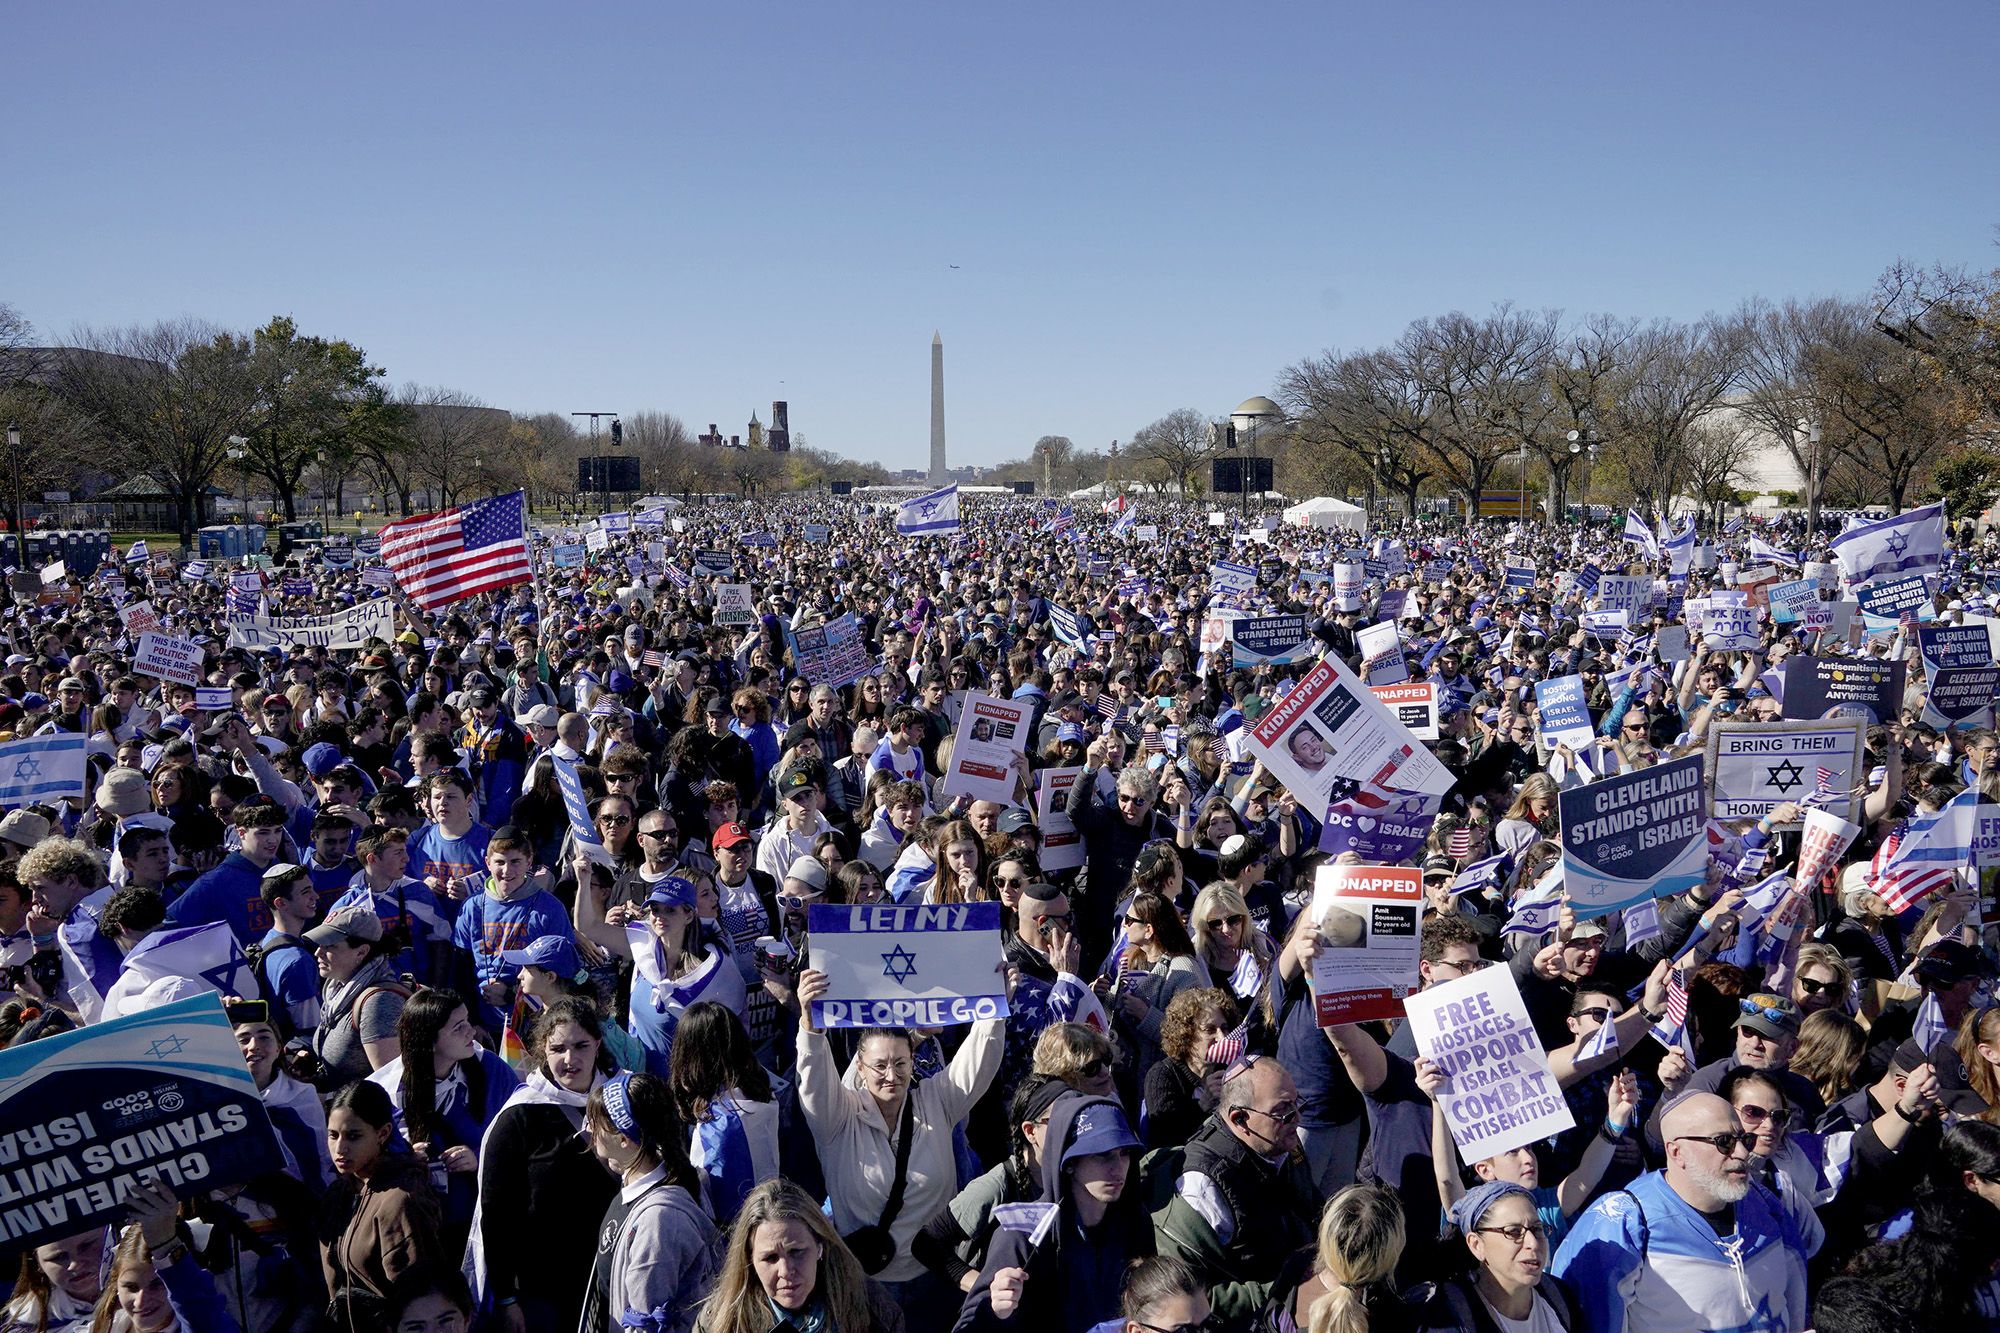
(1501, 1093)
(1860, 687)
(86, 1115)
(1634, 836)
(1367, 960)
(932, 965)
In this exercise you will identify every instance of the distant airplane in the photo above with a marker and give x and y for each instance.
(954, 266)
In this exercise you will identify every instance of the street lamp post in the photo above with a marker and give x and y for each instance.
(239, 449)
(1245, 420)
(14, 517)
(1582, 445)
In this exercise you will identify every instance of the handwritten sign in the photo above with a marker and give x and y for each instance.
(168, 658)
(1500, 1092)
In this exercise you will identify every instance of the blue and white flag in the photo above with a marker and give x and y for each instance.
(1733, 526)
(1537, 911)
(582, 829)
(1929, 1029)
(41, 768)
(1930, 852)
(1760, 549)
(936, 512)
(187, 958)
(1585, 580)
(136, 552)
(1124, 520)
(195, 571)
(1603, 1041)
(1640, 533)
(1484, 874)
(1066, 626)
(1905, 544)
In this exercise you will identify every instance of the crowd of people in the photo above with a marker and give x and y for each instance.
(536, 1071)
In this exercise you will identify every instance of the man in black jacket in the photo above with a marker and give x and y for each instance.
(1113, 832)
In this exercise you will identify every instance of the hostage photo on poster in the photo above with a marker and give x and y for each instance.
(1331, 732)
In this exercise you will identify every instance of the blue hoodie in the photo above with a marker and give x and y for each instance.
(232, 892)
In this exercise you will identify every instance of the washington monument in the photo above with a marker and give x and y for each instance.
(937, 409)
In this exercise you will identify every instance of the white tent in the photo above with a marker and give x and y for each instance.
(1323, 511)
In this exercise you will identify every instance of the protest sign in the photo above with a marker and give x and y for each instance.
(1790, 600)
(916, 966)
(1623, 592)
(1501, 1093)
(568, 555)
(733, 605)
(1730, 627)
(1753, 767)
(168, 658)
(818, 532)
(1379, 826)
(1864, 687)
(835, 653)
(1217, 519)
(597, 540)
(1756, 583)
(1823, 838)
(1886, 603)
(54, 572)
(1634, 836)
(1959, 697)
(1604, 624)
(1350, 586)
(1382, 658)
(1414, 704)
(349, 628)
(85, 1115)
(1671, 643)
(1147, 533)
(1330, 730)
(139, 617)
(1986, 836)
(1955, 645)
(992, 737)
(1565, 717)
(1062, 845)
(1519, 576)
(582, 828)
(378, 576)
(1367, 961)
(714, 564)
(1225, 578)
(1254, 640)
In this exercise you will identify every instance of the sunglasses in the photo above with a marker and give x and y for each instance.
(659, 833)
(614, 819)
(1049, 924)
(1777, 1014)
(1599, 1013)
(1725, 1143)
(1811, 987)
(1756, 1115)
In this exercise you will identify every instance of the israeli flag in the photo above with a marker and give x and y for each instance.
(1930, 1027)
(198, 958)
(1762, 550)
(1733, 526)
(195, 571)
(1124, 521)
(1905, 544)
(1066, 626)
(936, 512)
(1640, 533)
(136, 552)
(41, 768)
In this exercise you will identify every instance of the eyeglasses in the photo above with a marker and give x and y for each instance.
(1811, 987)
(1726, 1143)
(1048, 924)
(900, 1068)
(1288, 1115)
(1212, 1324)
(610, 778)
(1464, 965)
(1010, 881)
(1517, 1233)
(1234, 919)
(1752, 1114)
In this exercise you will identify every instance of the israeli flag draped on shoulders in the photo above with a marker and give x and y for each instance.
(936, 512)
(1904, 544)
(190, 959)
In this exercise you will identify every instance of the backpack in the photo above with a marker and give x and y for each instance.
(259, 956)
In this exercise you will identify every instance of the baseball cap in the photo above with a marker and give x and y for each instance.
(1071, 731)
(673, 891)
(1014, 819)
(716, 706)
(1099, 1127)
(480, 696)
(798, 780)
(1950, 962)
(1587, 930)
(349, 923)
(541, 715)
(551, 953)
(1440, 865)
(730, 835)
(323, 758)
(1773, 1016)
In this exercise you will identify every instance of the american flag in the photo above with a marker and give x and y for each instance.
(1926, 854)
(1064, 520)
(1226, 1050)
(1150, 740)
(1822, 778)
(1107, 707)
(652, 657)
(457, 553)
(1459, 845)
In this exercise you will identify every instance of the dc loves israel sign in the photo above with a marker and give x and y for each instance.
(1635, 836)
(917, 966)
(87, 1115)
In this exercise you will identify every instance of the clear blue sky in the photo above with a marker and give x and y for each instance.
(702, 208)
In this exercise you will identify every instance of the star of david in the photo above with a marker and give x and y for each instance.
(1785, 776)
(27, 769)
(166, 1046)
(899, 964)
(927, 508)
(1895, 544)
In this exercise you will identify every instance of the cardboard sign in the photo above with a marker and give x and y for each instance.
(992, 734)
(1955, 645)
(139, 618)
(1062, 845)
(1229, 579)
(1382, 827)
(1959, 697)
(1414, 704)
(1634, 836)
(1382, 660)
(733, 605)
(1501, 1093)
(1753, 767)
(1367, 962)
(916, 966)
(162, 1095)
(1887, 603)
(168, 658)
(1823, 838)
(351, 628)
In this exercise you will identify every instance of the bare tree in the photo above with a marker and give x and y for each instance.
(170, 395)
(669, 459)
(1345, 412)
(1889, 406)
(1482, 383)
(1581, 375)
(1718, 450)
(1179, 442)
(1779, 345)
(1951, 320)
(453, 430)
(1677, 373)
